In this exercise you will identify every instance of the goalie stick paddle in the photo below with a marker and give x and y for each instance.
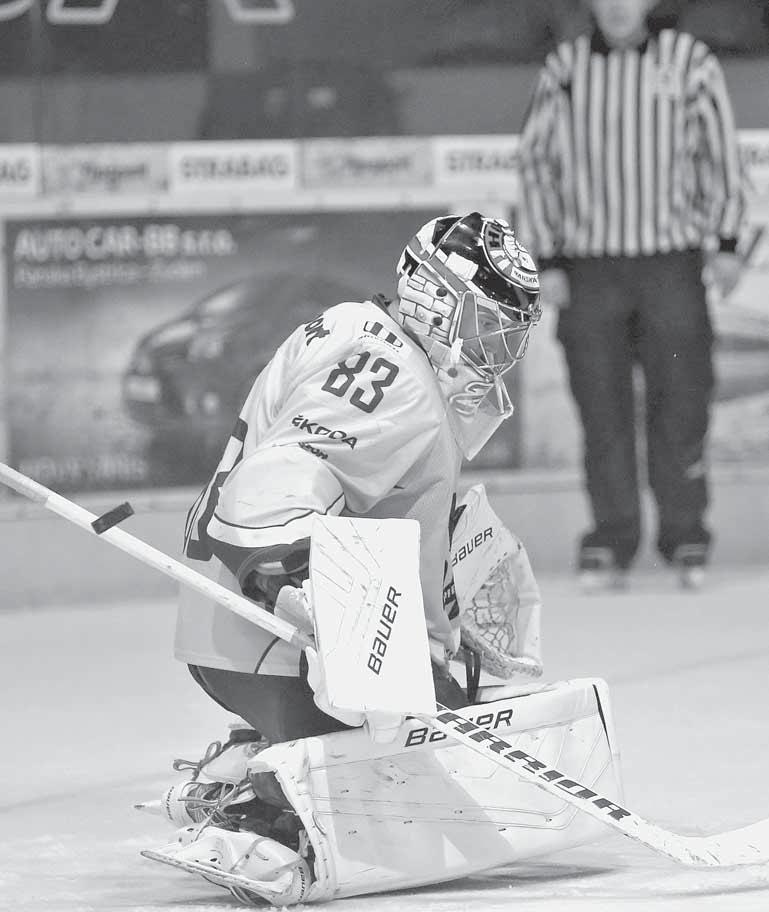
(743, 846)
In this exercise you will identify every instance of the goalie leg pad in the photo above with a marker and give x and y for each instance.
(425, 809)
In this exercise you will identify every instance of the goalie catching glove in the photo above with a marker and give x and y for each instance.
(498, 595)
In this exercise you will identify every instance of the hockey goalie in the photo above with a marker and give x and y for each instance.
(334, 507)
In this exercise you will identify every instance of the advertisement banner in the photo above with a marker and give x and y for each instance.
(383, 161)
(132, 342)
(19, 171)
(221, 167)
(107, 169)
(486, 161)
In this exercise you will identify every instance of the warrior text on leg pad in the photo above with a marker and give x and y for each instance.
(499, 746)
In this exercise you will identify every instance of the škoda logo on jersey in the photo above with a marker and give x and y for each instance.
(320, 430)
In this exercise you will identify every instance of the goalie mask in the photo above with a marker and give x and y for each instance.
(468, 292)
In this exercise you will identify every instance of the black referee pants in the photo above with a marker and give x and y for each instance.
(649, 310)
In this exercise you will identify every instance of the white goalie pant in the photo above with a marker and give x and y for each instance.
(425, 809)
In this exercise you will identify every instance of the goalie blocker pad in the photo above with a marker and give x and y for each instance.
(424, 809)
(373, 655)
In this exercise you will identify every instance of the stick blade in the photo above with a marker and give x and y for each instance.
(744, 846)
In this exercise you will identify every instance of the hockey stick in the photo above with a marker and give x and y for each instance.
(103, 527)
(743, 846)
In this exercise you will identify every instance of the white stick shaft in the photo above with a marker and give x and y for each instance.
(153, 557)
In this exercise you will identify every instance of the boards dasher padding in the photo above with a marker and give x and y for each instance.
(425, 809)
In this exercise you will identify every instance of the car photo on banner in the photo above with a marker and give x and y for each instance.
(188, 377)
(160, 325)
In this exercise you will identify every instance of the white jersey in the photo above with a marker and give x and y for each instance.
(349, 414)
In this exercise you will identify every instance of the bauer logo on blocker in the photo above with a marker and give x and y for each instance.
(384, 630)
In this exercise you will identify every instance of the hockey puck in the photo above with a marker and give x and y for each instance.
(112, 517)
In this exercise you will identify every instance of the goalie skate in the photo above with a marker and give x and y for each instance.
(226, 833)
(218, 791)
(252, 867)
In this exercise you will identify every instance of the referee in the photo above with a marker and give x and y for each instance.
(630, 169)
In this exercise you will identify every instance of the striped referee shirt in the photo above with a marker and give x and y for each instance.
(630, 152)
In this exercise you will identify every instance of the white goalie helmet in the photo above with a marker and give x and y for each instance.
(469, 294)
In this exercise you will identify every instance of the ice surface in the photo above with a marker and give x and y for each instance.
(93, 709)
